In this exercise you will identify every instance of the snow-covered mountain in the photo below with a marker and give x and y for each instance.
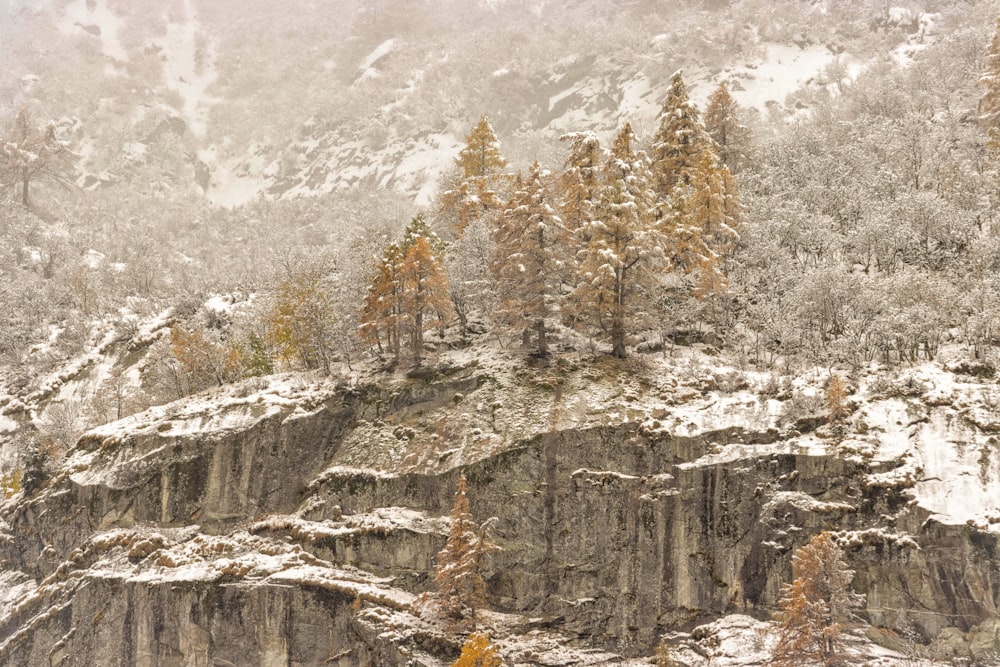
(248, 99)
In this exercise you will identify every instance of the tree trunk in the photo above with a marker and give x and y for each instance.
(418, 337)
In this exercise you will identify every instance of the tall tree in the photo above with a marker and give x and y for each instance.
(723, 125)
(473, 191)
(529, 264)
(679, 140)
(408, 293)
(382, 310)
(817, 607)
(458, 574)
(715, 203)
(424, 289)
(620, 267)
(579, 180)
(481, 156)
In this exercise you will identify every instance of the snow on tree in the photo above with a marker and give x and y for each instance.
(477, 651)
(579, 180)
(29, 153)
(382, 310)
(408, 293)
(723, 125)
(481, 156)
(679, 141)
(301, 323)
(459, 566)
(817, 607)
(470, 280)
(989, 103)
(715, 203)
(473, 189)
(424, 289)
(528, 263)
(619, 270)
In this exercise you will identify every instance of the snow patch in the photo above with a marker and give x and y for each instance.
(95, 18)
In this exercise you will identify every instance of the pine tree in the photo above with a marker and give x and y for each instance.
(836, 398)
(424, 292)
(722, 123)
(579, 181)
(481, 156)
(620, 267)
(679, 141)
(478, 652)
(474, 189)
(382, 311)
(528, 263)
(408, 293)
(989, 103)
(817, 608)
(459, 565)
(701, 223)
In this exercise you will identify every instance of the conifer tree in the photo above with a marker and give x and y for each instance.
(620, 267)
(528, 263)
(817, 607)
(474, 190)
(579, 181)
(712, 206)
(382, 311)
(408, 294)
(989, 103)
(478, 652)
(424, 293)
(722, 123)
(481, 156)
(679, 140)
(459, 567)
(836, 398)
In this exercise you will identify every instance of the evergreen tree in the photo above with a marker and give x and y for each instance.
(579, 181)
(620, 267)
(817, 608)
(481, 156)
(528, 263)
(424, 292)
(679, 141)
(459, 565)
(382, 311)
(408, 293)
(712, 205)
(473, 191)
(722, 123)
(478, 652)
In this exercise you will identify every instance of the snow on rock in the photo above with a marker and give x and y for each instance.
(94, 17)
(189, 67)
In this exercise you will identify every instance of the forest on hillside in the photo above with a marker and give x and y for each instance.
(861, 231)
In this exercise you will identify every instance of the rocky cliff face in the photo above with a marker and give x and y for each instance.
(295, 522)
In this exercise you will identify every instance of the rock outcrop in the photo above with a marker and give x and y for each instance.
(296, 523)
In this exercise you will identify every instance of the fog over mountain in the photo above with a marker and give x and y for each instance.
(499, 332)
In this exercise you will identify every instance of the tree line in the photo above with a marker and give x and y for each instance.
(593, 247)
